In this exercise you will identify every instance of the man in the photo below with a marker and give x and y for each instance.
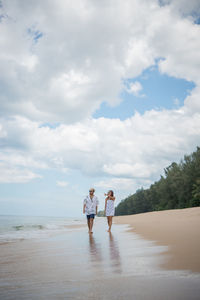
(90, 206)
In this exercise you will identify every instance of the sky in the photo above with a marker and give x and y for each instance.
(102, 94)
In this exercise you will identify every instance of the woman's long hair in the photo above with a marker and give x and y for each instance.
(112, 193)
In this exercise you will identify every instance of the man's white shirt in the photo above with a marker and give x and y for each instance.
(91, 205)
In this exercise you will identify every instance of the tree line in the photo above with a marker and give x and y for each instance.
(178, 188)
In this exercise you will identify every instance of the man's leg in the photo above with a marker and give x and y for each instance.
(91, 224)
(88, 223)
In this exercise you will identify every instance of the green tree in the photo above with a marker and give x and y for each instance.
(178, 188)
(196, 193)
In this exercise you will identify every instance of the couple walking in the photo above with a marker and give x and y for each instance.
(90, 207)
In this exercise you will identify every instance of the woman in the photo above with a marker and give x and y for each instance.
(109, 208)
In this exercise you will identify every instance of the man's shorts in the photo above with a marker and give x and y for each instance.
(90, 216)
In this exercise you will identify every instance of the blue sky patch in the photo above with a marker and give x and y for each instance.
(159, 91)
(35, 34)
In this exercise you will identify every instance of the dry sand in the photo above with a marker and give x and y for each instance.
(179, 229)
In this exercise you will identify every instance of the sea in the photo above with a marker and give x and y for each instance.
(13, 228)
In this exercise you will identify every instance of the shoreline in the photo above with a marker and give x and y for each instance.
(73, 264)
(178, 229)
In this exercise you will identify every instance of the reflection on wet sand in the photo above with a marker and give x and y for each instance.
(114, 254)
(95, 249)
(106, 255)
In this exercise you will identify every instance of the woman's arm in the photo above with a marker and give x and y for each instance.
(106, 202)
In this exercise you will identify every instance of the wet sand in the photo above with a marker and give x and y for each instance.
(75, 265)
(178, 229)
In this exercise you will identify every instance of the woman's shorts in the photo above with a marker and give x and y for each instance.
(90, 216)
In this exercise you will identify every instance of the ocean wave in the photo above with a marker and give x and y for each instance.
(28, 227)
(20, 228)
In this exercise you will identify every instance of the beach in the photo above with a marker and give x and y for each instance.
(60, 260)
(178, 229)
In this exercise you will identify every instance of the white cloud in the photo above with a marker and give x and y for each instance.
(116, 184)
(62, 183)
(10, 174)
(18, 159)
(184, 7)
(137, 148)
(81, 60)
(192, 102)
(176, 102)
(134, 88)
(63, 70)
(136, 170)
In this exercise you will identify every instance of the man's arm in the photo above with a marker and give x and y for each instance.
(84, 205)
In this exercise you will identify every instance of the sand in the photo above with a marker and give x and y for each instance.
(76, 265)
(179, 229)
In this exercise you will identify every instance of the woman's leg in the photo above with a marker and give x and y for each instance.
(108, 220)
(110, 223)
